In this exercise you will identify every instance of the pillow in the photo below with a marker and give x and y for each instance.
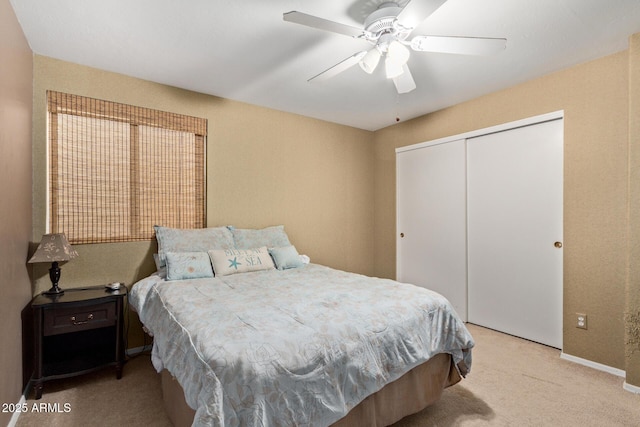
(188, 265)
(233, 261)
(271, 237)
(286, 257)
(156, 259)
(191, 240)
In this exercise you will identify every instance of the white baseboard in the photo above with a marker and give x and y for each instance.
(632, 388)
(14, 418)
(595, 365)
(600, 367)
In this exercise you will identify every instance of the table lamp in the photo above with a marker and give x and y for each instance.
(53, 248)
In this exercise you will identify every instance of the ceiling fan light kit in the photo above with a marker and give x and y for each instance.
(404, 83)
(398, 52)
(388, 28)
(392, 68)
(370, 60)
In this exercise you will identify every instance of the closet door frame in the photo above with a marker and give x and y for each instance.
(485, 131)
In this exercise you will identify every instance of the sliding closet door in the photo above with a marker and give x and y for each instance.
(515, 181)
(431, 220)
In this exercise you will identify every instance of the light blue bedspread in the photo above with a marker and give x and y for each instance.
(299, 347)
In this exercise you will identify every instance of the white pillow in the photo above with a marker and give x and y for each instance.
(231, 261)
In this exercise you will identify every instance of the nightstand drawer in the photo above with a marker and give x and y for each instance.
(74, 319)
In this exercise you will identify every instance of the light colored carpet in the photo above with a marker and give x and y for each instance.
(513, 382)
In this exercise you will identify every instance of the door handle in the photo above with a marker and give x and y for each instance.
(558, 245)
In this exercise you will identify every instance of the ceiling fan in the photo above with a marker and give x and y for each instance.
(388, 29)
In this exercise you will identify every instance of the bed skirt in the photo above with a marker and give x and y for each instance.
(414, 391)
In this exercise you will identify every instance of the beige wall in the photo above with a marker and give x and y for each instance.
(594, 97)
(633, 283)
(15, 209)
(264, 167)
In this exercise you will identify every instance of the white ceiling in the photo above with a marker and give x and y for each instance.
(243, 50)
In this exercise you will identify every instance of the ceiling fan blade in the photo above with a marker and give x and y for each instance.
(404, 82)
(322, 24)
(417, 11)
(339, 67)
(459, 45)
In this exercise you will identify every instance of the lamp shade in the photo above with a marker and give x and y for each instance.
(370, 61)
(398, 52)
(53, 248)
(392, 67)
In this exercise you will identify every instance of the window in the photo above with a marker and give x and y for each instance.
(115, 170)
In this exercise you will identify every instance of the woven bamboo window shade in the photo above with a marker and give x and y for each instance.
(116, 170)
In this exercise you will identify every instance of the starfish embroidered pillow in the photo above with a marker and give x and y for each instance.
(231, 261)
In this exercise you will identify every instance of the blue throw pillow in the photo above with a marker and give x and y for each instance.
(188, 265)
(286, 257)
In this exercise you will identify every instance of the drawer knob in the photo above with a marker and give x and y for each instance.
(82, 322)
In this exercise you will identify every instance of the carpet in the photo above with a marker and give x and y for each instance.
(513, 382)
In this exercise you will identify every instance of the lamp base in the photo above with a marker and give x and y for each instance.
(55, 290)
(54, 275)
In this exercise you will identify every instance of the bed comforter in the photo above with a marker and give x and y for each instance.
(294, 347)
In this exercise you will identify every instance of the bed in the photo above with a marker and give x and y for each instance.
(268, 339)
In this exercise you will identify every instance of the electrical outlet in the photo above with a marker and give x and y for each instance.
(581, 320)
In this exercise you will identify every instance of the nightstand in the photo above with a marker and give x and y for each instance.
(77, 332)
